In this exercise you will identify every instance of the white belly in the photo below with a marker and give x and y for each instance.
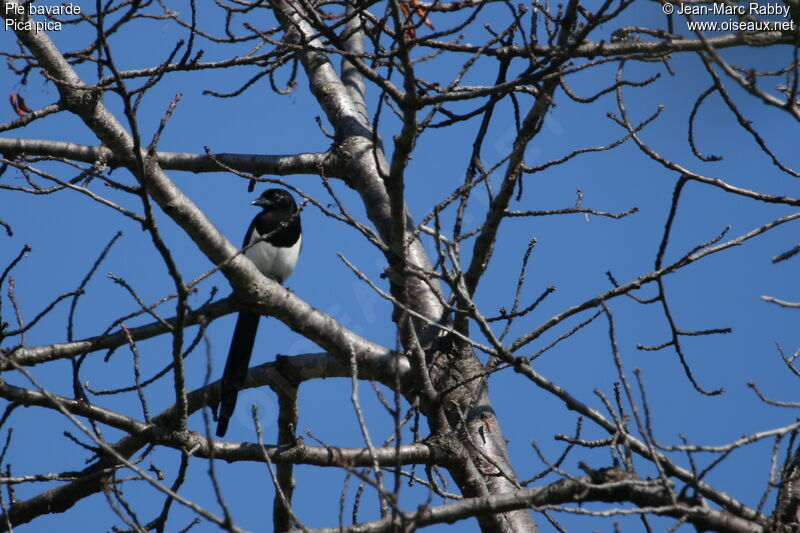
(274, 261)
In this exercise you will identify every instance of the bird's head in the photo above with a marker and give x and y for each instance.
(276, 199)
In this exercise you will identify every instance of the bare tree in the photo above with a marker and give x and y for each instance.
(389, 77)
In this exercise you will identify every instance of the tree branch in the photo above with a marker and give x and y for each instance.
(280, 165)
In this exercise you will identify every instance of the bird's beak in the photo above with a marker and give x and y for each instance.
(260, 202)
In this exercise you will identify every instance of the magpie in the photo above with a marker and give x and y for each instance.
(272, 243)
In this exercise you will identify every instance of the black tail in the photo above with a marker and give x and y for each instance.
(244, 336)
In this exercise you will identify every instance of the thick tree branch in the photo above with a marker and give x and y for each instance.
(280, 165)
(591, 49)
(608, 485)
(41, 354)
(365, 163)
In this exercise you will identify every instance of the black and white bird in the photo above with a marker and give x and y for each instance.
(272, 243)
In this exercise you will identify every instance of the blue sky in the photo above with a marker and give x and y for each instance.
(67, 231)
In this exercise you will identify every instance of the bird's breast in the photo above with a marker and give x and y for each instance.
(276, 262)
